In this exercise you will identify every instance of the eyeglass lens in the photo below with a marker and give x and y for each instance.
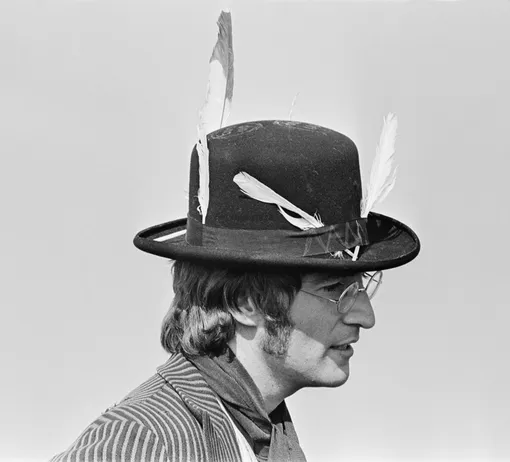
(348, 298)
(371, 283)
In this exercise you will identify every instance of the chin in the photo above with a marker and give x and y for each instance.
(334, 378)
(338, 381)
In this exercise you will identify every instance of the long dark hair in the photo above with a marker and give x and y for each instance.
(199, 320)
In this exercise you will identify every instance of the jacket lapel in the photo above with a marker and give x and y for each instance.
(186, 380)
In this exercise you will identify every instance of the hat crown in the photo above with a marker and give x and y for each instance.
(313, 167)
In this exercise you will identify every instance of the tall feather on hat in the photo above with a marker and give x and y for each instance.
(383, 173)
(215, 111)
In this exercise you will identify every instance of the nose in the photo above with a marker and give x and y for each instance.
(362, 313)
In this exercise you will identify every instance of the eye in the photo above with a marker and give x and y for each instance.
(334, 287)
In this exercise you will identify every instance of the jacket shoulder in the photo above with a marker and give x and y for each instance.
(115, 440)
(151, 423)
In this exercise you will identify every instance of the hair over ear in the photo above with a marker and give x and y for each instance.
(200, 320)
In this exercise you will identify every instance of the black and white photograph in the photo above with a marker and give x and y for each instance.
(254, 230)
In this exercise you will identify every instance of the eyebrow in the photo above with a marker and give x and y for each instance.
(328, 279)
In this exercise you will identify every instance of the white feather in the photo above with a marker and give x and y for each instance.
(256, 190)
(293, 104)
(203, 174)
(215, 111)
(383, 173)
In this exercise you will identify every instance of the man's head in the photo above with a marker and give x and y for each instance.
(300, 337)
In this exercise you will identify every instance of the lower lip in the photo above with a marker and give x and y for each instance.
(346, 353)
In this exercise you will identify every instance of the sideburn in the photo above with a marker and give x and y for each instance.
(276, 339)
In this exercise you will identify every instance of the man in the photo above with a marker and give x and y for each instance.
(271, 281)
(272, 288)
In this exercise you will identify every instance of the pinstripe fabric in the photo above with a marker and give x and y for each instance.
(172, 417)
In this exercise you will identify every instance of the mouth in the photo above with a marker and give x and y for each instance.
(344, 347)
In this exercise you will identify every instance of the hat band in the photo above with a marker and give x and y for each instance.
(314, 241)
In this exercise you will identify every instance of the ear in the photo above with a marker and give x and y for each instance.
(248, 315)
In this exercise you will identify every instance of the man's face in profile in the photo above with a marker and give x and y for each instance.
(319, 347)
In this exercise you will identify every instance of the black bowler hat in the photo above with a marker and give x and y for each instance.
(315, 169)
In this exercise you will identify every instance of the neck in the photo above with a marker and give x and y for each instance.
(264, 369)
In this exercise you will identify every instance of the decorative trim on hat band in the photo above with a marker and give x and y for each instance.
(310, 242)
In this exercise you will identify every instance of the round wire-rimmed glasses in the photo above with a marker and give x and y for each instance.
(371, 282)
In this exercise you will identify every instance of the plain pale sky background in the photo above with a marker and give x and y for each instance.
(98, 112)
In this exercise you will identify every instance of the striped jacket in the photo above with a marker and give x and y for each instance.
(173, 416)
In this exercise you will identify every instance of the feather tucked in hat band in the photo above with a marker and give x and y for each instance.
(216, 108)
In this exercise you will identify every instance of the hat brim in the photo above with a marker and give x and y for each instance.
(393, 244)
